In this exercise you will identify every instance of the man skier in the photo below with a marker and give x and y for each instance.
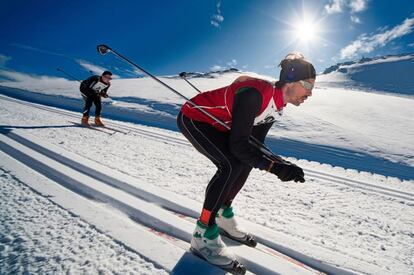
(92, 89)
(249, 106)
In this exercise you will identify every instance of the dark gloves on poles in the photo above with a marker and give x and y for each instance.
(284, 170)
(287, 172)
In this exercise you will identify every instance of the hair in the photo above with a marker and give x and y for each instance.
(106, 73)
(294, 67)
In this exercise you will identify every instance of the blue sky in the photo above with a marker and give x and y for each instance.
(167, 37)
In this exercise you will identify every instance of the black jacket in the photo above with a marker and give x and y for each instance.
(94, 86)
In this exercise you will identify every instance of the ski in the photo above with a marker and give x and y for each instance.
(113, 129)
(249, 240)
(258, 246)
(93, 127)
(235, 267)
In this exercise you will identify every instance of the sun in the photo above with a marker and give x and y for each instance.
(306, 31)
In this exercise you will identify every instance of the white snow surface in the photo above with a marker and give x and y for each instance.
(355, 225)
(39, 237)
(386, 74)
(376, 124)
(340, 219)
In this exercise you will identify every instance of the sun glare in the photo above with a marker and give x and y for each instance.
(306, 31)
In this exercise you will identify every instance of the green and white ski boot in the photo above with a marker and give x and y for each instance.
(230, 228)
(207, 244)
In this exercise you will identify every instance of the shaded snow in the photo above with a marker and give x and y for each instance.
(390, 74)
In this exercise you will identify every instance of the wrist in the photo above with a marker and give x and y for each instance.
(265, 164)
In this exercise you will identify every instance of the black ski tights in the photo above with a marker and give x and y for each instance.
(231, 173)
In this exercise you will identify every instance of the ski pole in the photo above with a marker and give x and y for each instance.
(104, 49)
(183, 76)
(70, 76)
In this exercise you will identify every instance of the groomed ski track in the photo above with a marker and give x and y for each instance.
(116, 128)
(156, 212)
(152, 218)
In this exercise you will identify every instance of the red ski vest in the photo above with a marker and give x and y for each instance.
(219, 103)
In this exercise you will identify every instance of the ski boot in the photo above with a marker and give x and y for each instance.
(98, 121)
(230, 228)
(207, 244)
(85, 121)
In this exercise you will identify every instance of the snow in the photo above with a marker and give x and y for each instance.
(389, 74)
(315, 214)
(360, 220)
(38, 236)
(335, 124)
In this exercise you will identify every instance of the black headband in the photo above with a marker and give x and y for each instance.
(295, 70)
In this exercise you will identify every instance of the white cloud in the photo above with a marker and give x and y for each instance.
(38, 83)
(30, 48)
(94, 68)
(216, 68)
(217, 18)
(335, 6)
(3, 60)
(22, 77)
(367, 43)
(352, 6)
(357, 5)
(232, 63)
(355, 19)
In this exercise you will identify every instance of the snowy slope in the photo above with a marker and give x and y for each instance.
(338, 126)
(339, 218)
(392, 74)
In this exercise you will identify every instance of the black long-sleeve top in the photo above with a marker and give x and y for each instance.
(246, 106)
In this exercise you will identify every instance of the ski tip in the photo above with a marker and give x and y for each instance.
(237, 268)
(249, 240)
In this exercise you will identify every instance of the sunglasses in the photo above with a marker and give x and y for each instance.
(107, 77)
(306, 85)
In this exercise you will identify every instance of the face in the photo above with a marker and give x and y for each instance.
(106, 78)
(300, 91)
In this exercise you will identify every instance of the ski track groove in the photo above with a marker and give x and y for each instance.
(91, 193)
(397, 194)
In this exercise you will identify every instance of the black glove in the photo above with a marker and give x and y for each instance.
(103, 94)
(284, 170)
(288, 171)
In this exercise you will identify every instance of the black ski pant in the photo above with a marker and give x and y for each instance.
(231, 173)
(90, 98)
